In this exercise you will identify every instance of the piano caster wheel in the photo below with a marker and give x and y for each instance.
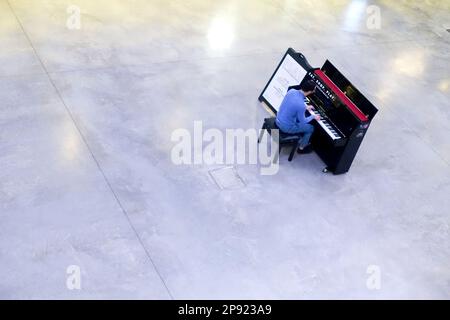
(325, 170)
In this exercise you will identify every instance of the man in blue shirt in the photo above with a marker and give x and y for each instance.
(291, 116)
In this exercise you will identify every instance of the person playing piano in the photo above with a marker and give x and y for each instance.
(291, 116)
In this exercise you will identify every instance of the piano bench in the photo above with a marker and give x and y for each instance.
(285, 139)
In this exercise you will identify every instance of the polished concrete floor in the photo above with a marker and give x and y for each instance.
(86, 178)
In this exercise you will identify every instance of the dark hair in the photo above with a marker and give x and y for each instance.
(308, 86)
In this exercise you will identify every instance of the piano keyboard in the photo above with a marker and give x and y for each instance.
(326, 126)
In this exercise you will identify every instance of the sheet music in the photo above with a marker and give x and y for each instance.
(290, 73)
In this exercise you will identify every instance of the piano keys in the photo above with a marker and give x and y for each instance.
(325, 123)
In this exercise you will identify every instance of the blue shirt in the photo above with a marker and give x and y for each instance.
(292, 111)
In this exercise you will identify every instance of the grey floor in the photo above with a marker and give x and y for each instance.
(86, 177)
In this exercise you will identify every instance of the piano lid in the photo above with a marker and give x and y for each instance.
(350, 90)
(353, 108)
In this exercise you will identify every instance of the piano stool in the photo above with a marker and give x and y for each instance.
(286, 139)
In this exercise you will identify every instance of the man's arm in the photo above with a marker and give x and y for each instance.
(301, 115)
(309, 108)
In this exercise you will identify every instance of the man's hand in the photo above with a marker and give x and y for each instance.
(317, 118)
(309, 107)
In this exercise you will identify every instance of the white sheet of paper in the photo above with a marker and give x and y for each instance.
(289, 74)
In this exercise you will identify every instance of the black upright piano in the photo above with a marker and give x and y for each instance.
(345, 115)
